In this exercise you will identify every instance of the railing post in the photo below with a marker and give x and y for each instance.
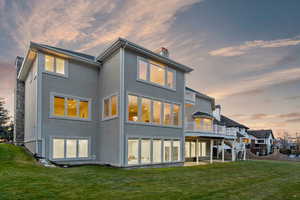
(223, 151)
(211, 150)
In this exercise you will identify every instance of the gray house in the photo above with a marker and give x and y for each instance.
(125, 107)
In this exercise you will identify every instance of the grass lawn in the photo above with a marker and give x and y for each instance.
(22, 178)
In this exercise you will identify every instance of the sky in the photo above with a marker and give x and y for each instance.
(244, 53)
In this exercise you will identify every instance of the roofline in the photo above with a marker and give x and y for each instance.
(239, 124)
(33, 47)
(121, 42)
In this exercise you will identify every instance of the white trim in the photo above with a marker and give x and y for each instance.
(65, 96)
(90, 157)
(166, 68)
(163, 101)
(103, 118)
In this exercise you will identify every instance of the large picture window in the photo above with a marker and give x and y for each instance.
(176, 150)
(63, 148)
(70, 107)
(156, 151)
(55, 65)
(133, 151)
(149, 111)
(156, 73)
(187, 149)
(110, 107)
(145, 151)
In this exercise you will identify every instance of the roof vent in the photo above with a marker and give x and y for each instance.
(163, 51)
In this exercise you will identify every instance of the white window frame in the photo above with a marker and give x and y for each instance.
(109, 102)
(66, 66)
(162, 139)
(66, 97)
(65, 138)
(148, 61)
(151, 123)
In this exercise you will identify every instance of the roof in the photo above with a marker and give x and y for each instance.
(231, 123)
(34, 47)
(198, 114)
(261, 133)
(200, 94)
(121, 42)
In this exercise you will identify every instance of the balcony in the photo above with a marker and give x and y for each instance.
(192, 126)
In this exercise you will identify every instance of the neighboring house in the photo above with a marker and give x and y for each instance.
(262, 141)
(125, 107)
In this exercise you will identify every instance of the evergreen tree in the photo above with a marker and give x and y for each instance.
(4, 119)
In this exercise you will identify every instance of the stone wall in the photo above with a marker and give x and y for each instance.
(19, 106)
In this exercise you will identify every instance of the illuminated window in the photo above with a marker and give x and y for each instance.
(71, 146)
(69, 107)
(110, 107)
(49, 63)
(145, 151)
(59, 106)
(167, 114)
(84, 109)
(156, 151)
(146, 110)
(167, 151)
(72, 108)
(193, 149)
(157, 74)
(132, 108)
(207, 124)
(143, 68)
(176, 150)
(187, 149)
(54, 64)
(176, 114)
(157, 112)
(203, 148)
(133, 149)
(58, 148)
(83, 148)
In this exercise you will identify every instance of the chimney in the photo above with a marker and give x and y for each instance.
(19, 105)
(217, 112)
(163, 51)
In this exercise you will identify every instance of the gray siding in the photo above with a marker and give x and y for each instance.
(82, 82)
(201, 104)
(108, 137)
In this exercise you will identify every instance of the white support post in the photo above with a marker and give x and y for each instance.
(218, 144)
(245, 151)
(211, 150)
(223, 152)
(197, 151)
(233, 150)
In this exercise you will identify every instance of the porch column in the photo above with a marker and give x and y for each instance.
(211, 150)
(218, 149)
(197, 151)
(223, 152)
(233, 150)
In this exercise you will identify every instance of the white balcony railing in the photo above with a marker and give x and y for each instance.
(192, 126)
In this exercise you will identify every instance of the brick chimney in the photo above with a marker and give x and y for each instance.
(19, 105)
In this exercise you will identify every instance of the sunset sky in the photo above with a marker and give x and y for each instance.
(245, 53)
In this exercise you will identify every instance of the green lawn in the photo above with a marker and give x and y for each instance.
(22, 178)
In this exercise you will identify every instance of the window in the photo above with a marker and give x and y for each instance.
(176, 114)
(203, 149)
(132, 108)
(146, 110)
(187, 149)
(167, 113)
(110, 107)
(133, 149)
(176, 150)
(156, 73)
(167, 151)
(145, 151)
(193, 149)
(143, 70)
(54, 64)
(70, 107)
(156, 112)
(59, 106)
(70, 148)
(58, 148)
(156, 151)
(204, 124)
(83, 148)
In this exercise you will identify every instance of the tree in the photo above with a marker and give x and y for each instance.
(4, 119)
